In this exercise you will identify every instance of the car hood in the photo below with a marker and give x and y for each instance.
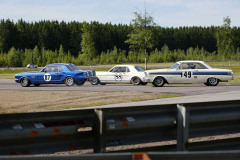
(101, 72)
(26, 73)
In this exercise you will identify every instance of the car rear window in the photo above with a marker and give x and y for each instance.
(139, 69)
(72, 67)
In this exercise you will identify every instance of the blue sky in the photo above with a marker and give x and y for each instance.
(166, 13)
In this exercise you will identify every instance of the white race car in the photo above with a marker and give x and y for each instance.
(121, 74)
(189, 72)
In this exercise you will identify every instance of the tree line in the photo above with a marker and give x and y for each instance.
(83, 43)
(42, 57)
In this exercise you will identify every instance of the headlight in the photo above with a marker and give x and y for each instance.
(86, 75)
(145, 74)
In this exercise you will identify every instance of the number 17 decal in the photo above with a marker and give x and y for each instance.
(47, 77)
(186, 74)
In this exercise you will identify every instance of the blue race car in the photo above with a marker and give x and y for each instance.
(58, 73)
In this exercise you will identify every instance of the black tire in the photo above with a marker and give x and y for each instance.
(36, 85)
(206, 84)
(80, 84)
(25, 82)
(144, 83)
(212, 81)
(69, 81)
(136, 81)
(95, 81)
(158, 82)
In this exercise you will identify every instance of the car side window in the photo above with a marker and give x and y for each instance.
(123, 69)
(184, 66)
(60, 69)
(200, 66)
(48, 69)
(188, 66)
(56, 69)
(115, 69)
(120, 69)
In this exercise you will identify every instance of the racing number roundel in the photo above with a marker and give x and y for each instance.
(118, 77)
(47, 77)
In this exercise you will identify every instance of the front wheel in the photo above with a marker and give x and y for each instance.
(95, 81)
(212, 82)
(159, 82)
(69, 81)
(25, 82)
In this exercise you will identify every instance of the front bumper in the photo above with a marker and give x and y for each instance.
(146, 79)
(91, 78)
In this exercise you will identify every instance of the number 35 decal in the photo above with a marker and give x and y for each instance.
(186, 74)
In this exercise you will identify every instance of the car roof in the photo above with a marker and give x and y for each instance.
(123, 65)
(190, 61)
(59, 64)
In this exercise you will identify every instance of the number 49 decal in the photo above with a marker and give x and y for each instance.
(186, 74)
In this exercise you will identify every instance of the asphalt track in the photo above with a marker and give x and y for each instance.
(188, 90)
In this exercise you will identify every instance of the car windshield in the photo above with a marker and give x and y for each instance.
(175, 66)
(206, 65)
(139, 69)
(73, 67)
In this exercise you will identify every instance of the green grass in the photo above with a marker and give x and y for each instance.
(157, 97)
(10, 73)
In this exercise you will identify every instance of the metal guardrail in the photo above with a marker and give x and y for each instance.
(219, 155)
(101, 129)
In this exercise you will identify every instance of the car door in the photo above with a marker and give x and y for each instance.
(200, 74)
(117, 74)
(186, 73)
(50, 74)
(110, 75)
(125, 72)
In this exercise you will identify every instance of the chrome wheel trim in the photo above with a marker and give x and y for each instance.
(136, 81)
(159, 81)
(24, 82)
(213, 81)
(69, 81)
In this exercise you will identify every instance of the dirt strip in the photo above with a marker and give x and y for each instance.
(35, 101)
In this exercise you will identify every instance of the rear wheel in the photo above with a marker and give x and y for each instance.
(80, 84)
(212, 82)
(136, 81)
(25, 82)
(69, 81)
(158, 82)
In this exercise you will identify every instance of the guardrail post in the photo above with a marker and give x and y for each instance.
(182, 127)
(99, 131)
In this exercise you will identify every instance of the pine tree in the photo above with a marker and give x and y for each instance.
(225, 40)
(88, 44)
